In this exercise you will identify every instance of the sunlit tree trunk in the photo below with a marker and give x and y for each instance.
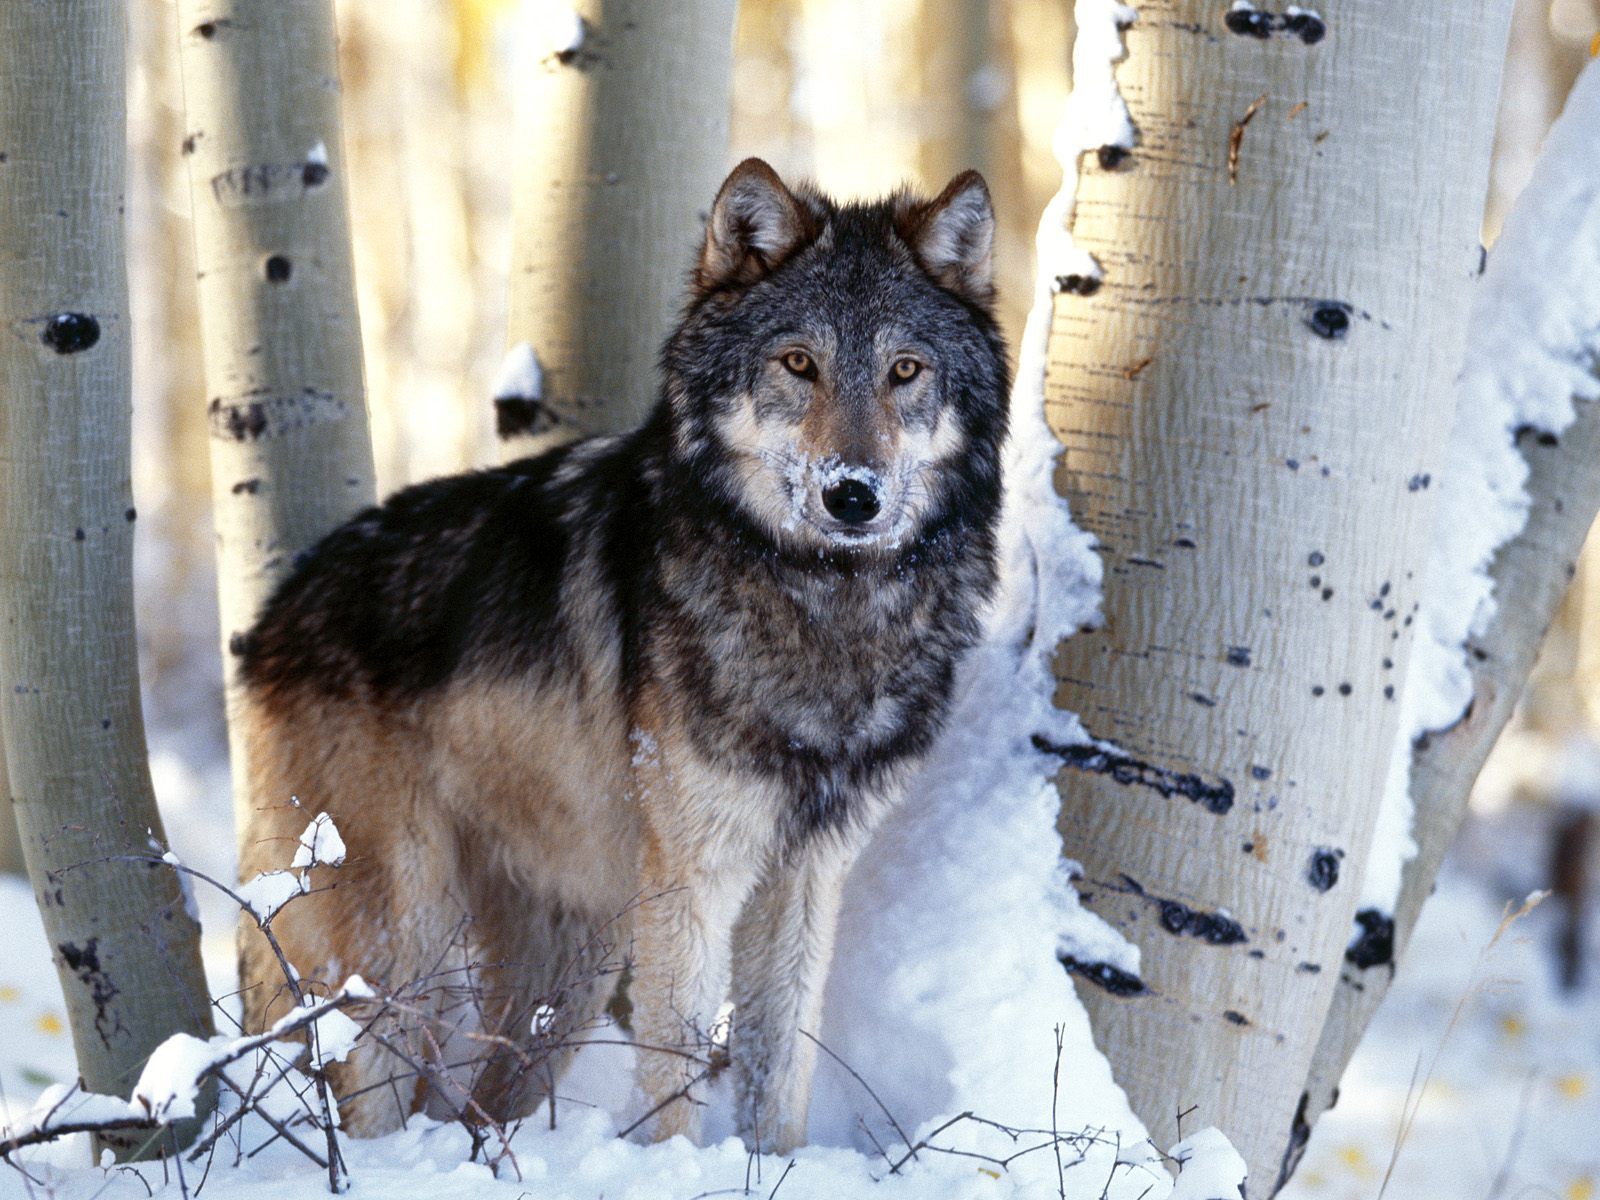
(126, 949)
(285, 406)
(1249, 397)
(623, 146)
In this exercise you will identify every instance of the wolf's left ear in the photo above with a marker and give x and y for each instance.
(755, 224)
(953, 237)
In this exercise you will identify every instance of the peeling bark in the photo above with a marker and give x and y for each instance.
(126, 949)
(1245, 397)
(285, 404)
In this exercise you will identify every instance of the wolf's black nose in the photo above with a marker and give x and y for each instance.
(851, 501)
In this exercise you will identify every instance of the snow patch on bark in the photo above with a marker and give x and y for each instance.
(521, 377)
(1532, 351)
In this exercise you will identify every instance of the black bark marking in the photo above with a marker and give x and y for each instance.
(1540, 436)
(84, 962)
(1308, 27)
(1253, 22)
(246, 487)
(1078, 285)
(1374, 945)
(277, 269)
(1418, 483)
(1238, 656)
(1214, 797)
(518, 415)
(314, 174)
(1236, 1018)
(1105, 976)
(1330, 319)
(1315, 558)
(1203, 700)
(1249, 22)
(1309, 968)
(130, 515)
(1212, 928)
(1178, 919)
(260, 413)
(1112, 157)
(70, 333)
(1261, 774)
(1324, 869)
(1299, 1135)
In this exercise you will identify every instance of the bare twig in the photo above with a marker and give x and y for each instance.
(867, 1087)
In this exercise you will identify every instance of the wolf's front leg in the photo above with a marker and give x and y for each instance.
(781, 950)
(702, 838)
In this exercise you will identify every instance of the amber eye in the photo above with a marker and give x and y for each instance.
(905, 370)
(800, 363)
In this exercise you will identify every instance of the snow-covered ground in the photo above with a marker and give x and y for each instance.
(1500, 1072)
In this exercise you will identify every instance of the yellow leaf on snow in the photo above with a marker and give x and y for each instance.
(1581, 1188)
(50, 1023)
(9, 994)
(1572, 1087)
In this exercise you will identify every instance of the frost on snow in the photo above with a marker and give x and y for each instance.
(1532, 350)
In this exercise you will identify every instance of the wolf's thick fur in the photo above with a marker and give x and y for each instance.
(649, 694)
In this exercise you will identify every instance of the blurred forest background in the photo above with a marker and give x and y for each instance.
(861, 97)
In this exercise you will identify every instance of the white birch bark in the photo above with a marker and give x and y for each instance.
(290, 454)
(623, 146)
(1249, 385)
(126, 948)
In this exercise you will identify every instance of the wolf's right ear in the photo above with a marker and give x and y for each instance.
(755, 224)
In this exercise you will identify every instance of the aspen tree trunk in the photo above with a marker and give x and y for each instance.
(623, 149)
(290, 455)
(126, 949)
(10, 848)
(1531, 574)
(1248, 399)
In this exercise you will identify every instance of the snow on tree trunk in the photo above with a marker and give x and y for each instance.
(290, 454)
(126, 948)
(1251, 370)
(1506, 546)
(623, 145)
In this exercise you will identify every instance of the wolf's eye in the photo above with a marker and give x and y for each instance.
(800, 363)
(905, 370)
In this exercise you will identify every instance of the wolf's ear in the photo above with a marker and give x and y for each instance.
(755, 224)
(953, 237)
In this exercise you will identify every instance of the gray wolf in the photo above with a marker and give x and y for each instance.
(646, 696)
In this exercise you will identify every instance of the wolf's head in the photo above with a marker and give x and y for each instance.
(838, 378)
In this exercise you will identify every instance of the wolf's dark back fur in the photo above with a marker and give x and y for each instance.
(820, 667)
